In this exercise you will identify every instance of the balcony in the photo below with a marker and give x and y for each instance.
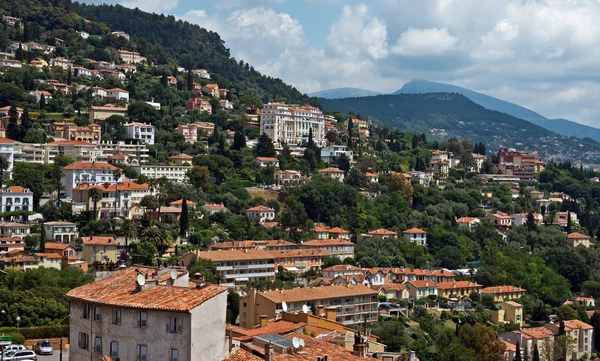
(250, 275)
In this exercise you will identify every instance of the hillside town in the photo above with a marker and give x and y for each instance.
(153, 208)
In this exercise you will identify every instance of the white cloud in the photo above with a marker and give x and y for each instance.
(357, 33)
(419, 42)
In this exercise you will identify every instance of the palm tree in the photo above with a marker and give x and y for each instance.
(95, 194)
(117, 173)
(128, 229)
(162, 198)
(4, 164)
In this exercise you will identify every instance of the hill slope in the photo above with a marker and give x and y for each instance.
(343, 93)
(444, 115)
(560, 126)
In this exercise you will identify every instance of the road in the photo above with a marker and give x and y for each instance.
(54, 357)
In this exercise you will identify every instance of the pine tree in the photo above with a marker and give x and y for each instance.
(12, 130)
(518, 353)
(264, 147)
(25, 124)
(184, 221)
(530, 223)
(239, 140)
(536, 352)
(569, 224)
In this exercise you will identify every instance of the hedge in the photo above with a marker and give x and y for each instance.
(32, 333)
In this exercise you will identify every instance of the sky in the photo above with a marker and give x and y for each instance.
(541, 54)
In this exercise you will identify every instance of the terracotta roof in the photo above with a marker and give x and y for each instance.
(267, 159)
(48, 255)
(538, 332)
(422, 284)
(578, 324)
(7, 141)
(342, 267)
(503, 289)
(119, 290)
(59, 223)
(251, 244)
(330, 170)
(72, 142)
(215, 206)
(243, 355)
(338, 230)
(90, 165)
(123, 186)
(370, 175)
(280, 327)
(269, 224)
(108, 107)
(510, 346)
(466, 219)
(327, 242)
(393, 286)
(414, 231)
(382, 232)
(181, 156)
(261, 209)
(56, 245)
(15, 189)
(180, 202)
(317, 293)
(457, 284)
(291, 253)
(576, 235)
(95, 240)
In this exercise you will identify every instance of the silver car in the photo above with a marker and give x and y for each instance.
(43, 348)
(21, 355)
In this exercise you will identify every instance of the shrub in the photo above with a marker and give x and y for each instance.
(32, 333)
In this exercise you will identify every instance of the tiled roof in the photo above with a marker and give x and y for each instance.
(576, 235)
(330, 170)
(338, 230)
(7, 141)
(234, 255)
(243, 355)
(457, 284)
(414, 231)
(327, 242)
(267, 159)
(422, 284)
(578, 324)
(466, 219)
(59, 223)
(13, 224)
(181, 156)
(72, 142)
(123, 186)
(95, 240)
(291, 253)
(382, 232)
(280, 327)
(180, 201)
(269, 224)
(119, 290)
(90, 165)
(215, 206)
(393, 286)
(318, 293)
(252, 244)
(56, 245)
(261, 209)
(342, 267)
(538, 332)
(48, 255)
(503, 289)
(15, 189)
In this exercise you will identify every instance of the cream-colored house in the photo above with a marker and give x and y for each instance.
(99, 249)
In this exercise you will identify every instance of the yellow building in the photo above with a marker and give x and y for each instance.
(99, 249)
(507, 312)
(502, 293)
(102, 112)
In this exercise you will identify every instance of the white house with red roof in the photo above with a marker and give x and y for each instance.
(265, 162)
(261, 213)
(577, 239)
(7, 151)
(90, 173)
(16, 198)
(467, 222)
(118, 94)
(380, 233)
(416, 235)
(212, 208)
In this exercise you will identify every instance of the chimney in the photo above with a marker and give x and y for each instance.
(199, 281)
(269, 352)
(412, 356)
(264, 320)
(325, 357)
(320, 310)
(330, 313)
(230, 339)
(359, 349)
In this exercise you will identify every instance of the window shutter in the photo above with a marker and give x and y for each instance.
(168, 327)
(180, 325)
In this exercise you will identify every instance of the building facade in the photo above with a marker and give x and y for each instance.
(140, 131)
(291, 124)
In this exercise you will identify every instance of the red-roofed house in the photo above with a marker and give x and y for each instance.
(265, 162)
(467, 222)
(261, 213)
(88, 172)
(99, 249)
(501, 293)
(416, 236)
(420, 289)
(15, 198)
(380, 233)
(335, 247)
(577, 239)
(212, 208)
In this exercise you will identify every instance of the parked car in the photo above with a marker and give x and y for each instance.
(43, 348)
(14, 347)
(21, 355)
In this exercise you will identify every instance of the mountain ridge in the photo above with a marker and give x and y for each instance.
(345, 92)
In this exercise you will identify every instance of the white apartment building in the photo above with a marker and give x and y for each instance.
(13, 229)
(332, 153)
(8, 244)
(7, 151)
(140, 131)
(137, 153)
(118, 94)
(174, 173)
(60, 231)
(159, 319)
(240, 267)
(88, 172)
(16, 198)
(422, 177)
(116, 198)
(416, 235)
(288, 123)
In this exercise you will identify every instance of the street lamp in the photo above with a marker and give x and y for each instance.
(18, 319)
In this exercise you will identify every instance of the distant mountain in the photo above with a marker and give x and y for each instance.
(343, 93)
(445, 115)
(560, 126)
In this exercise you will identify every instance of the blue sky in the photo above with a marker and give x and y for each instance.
(541, 54)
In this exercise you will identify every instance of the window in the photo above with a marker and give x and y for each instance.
(97, 313)
(114, 349)
(245, 304)
(142, 319)
(116, 317)
(142, 353)
(174, 354)
(86, 310)
(175, 325)
(83, 340)
(98, 345)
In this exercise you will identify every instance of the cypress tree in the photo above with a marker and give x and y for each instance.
(69, 76)
(350, 132)
(536, 353)
(190, 80)
(25, 124)
(239, 140)
(569, 225)
(42, 102)
(518, 353)
(561, 328)
(184, 219)
(310, 137)
(12, 130)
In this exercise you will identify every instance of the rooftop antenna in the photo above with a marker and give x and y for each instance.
(284, 306)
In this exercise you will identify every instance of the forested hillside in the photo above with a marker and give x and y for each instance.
(162, 39)
(446, 115)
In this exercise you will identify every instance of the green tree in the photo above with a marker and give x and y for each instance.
(144, 252)
(518, 352)
(239, 140)
(569, 228)
(350, 132)
(595, 322)
(4, 164)
(95, 194)
(199, 177)
(12, 129)
(264, 147)
(293, 216)
(143, 112)
(482, 340)
(184, 221)
(127, 229)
